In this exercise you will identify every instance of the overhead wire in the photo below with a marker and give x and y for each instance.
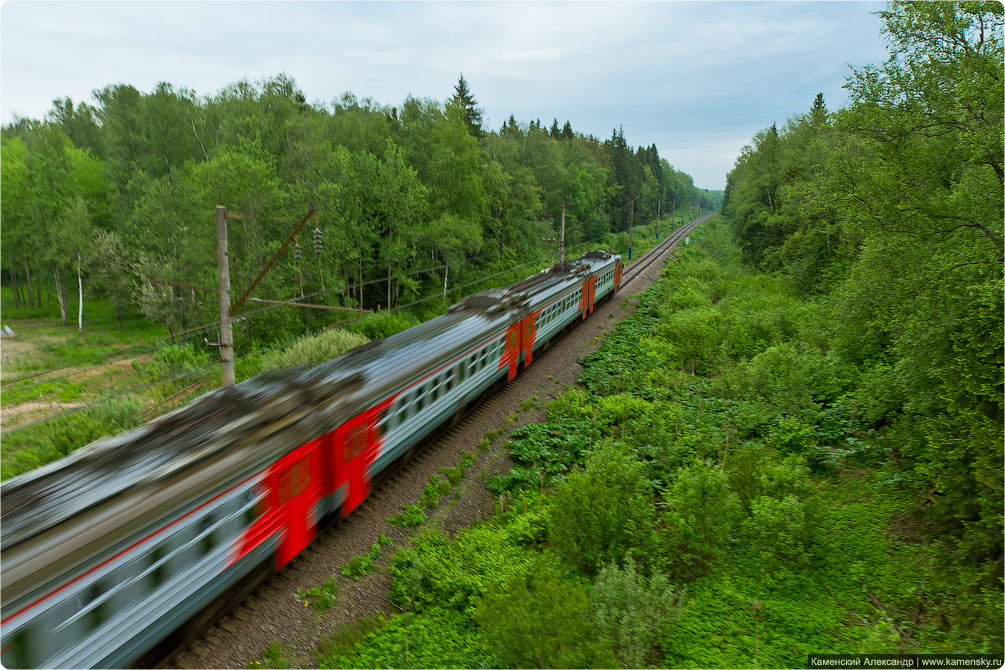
(180, 375)
(136, 350)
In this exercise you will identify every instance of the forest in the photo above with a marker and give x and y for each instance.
(108, 215)
(115, 201)
(793, 444)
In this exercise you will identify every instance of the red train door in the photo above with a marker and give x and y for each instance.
(528, 336)
(587, 295)
(295, 502)
(511, 349)
(617, 275)
(293, 487)
(357, 444)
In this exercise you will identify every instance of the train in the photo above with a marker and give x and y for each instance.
(110, 550)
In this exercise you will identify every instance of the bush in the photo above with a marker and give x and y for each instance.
(438, 572)
(702, 513)
(636, 613)
(362, 564)
(437, 638)
(540, 619)
(313, 350)
(544, 452)
(321, 598)
(381, 325)
(602, 513)
(435, 488)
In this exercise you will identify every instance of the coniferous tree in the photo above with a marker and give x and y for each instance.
(472, 115)
(567, 131)
(818, 112)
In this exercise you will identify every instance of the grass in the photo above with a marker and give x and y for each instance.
(321, 598)
(411, 516)
(362, 564)
(347, 636)
(435, 488)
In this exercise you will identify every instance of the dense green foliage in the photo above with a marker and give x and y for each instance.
(410, 200)
(741, 514)
(891, 211)
(725, 508)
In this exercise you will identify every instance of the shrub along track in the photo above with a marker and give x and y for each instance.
(274, 613)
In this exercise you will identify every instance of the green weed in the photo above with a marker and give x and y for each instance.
(434, 489)
(411, 516)
(361, 564)
(321, 598)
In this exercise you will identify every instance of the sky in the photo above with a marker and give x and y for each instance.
(697, 79)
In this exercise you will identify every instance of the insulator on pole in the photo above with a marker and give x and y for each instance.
(318, 243)
(297, 254)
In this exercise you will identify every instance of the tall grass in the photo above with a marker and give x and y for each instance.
(313, 350)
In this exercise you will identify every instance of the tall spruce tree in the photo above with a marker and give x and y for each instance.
(818, 112)
(472, 115)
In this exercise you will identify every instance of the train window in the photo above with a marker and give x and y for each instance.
(16, 653)
(159, 572)
(206, 539)
(355, 446)
(422, 399)
(301, 474)
(436, 392)
(99, 610)
(462, 371)
(450, 378)
(250, 511)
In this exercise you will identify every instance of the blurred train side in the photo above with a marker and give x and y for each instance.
(106, 552)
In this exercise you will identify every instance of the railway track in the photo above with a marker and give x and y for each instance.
(236, 630)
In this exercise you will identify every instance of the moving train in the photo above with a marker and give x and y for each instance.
(108, 551)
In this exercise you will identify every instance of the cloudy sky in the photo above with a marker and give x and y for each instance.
(698, 79)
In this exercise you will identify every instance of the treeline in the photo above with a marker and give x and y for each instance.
(105, 200)
(890, 212)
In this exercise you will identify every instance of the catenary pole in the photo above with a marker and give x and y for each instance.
(223, 267)
(561, 237)
(631, 218)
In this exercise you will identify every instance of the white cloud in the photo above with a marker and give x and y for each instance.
(669, 72)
